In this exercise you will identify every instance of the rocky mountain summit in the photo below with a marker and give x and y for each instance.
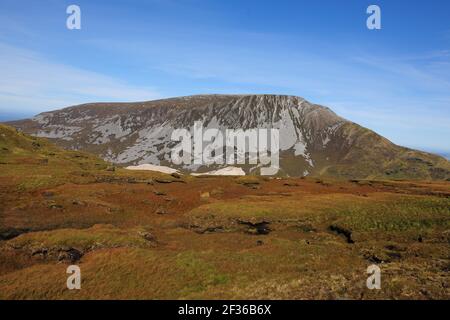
(313, 139)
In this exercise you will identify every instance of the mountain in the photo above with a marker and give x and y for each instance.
(313, 139)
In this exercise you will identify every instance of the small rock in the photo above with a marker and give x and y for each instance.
(161, 211)
(163, 180)
(159, 193)
(259, 242)
(54, 205)
(252, 185)
(71, 255)
(78, 203)
(176, 175)
(147, 236)
(39, 251)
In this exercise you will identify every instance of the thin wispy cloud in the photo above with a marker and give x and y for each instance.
(33, 82)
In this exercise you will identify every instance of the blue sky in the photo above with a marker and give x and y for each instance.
(395, 81)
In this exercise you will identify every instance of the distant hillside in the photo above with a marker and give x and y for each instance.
(313, 139)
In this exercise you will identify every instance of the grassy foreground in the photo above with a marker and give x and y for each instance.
(145, 235)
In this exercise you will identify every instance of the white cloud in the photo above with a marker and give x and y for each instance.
(30, 82)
